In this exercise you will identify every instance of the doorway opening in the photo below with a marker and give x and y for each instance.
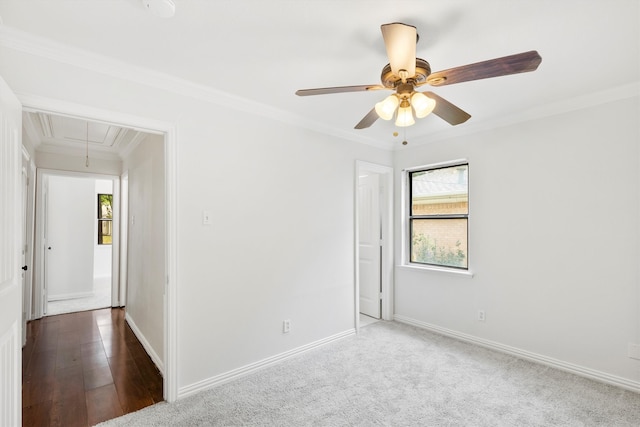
(78, 242)
(373, 243)
(164, 136)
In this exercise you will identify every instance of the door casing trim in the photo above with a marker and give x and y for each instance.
(386, 212)
(170, 132)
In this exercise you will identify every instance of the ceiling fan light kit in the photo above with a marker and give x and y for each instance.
(422, 104)
(405, 72)
(387, 107)
(405, 116)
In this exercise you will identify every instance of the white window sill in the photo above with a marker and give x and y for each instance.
(454, 271)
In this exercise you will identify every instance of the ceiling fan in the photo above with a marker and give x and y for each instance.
(405, 72)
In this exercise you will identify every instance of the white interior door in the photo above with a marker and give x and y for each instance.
(10, 228)
(369, 243)
(26, 284)
(69, 247)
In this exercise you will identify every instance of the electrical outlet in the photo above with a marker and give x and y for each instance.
(481, 316)
(286, 326)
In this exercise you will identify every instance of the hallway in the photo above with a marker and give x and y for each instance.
(82, 368)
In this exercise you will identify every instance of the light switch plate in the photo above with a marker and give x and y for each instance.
(206, 217)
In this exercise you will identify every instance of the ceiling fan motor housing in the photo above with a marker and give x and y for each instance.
(404, 90)
(391, 80)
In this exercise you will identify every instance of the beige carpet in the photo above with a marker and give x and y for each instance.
(397, 375)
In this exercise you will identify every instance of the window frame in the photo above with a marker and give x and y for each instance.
(104, 220)
(409, 218)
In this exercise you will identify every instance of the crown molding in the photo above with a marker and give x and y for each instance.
(34, 45)
(631, 90)
(133, 144)
(36, 103)
(38, 46)
(29, 127)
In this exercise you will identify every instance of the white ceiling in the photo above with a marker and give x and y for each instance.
(72, 136)
(263, 51)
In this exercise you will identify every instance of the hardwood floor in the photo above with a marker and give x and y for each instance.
(83, 368)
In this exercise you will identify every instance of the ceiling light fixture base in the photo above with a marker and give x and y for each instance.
(391, 80)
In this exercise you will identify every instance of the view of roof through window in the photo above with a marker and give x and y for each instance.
(449, 182)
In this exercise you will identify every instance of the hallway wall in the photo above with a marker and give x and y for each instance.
(146, 243)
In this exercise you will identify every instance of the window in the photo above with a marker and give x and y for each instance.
(105, 218)
(439, 215)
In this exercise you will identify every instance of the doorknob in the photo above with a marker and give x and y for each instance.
(24, 267)
(49, 248)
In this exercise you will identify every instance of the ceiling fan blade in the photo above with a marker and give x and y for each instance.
(400, 41)
(447, 111)
(367, 120)
(339, 89)
(513, 64)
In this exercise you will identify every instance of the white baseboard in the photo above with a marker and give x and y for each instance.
(523, 354)
(150, 351)
(73, 295)
(253, 367)
(101, 281)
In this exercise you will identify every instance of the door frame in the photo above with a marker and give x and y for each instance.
(170, 132)
(124, 238)
(386, 218)
(28, 218)
(42, 211)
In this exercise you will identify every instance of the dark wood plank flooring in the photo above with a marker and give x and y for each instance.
(83, 368)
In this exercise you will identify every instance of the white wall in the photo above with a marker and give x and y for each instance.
(146, 242)
(70, 223)
(553, 240)
(281, 245)
(101, 253)
(553, 243)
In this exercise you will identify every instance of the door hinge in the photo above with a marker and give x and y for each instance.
(380, 242)
(380, 295)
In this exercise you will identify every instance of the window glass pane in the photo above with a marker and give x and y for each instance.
(439, 241)
(105, 209)
(104, 232)
(440, 191)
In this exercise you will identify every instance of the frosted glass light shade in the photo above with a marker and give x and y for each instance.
(422, 104)
(387, 107)
(405, 117)
(400, 42)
